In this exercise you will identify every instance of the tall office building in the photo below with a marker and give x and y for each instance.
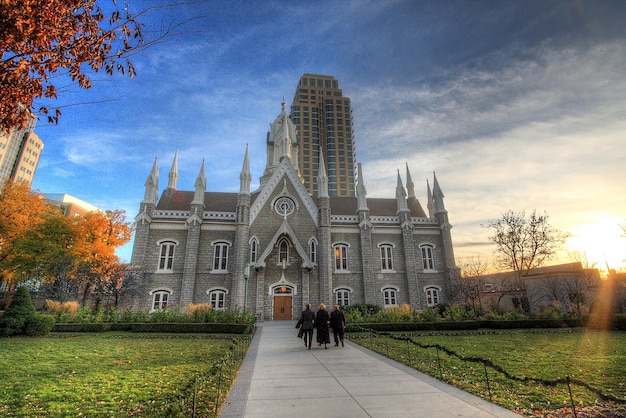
(20, 151)
(323, 120)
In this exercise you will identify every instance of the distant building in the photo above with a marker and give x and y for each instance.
(323, 118)
(71, 206)
(569, 287)
(20, 151)
(277, 248)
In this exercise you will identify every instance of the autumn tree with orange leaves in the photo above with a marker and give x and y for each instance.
(21, 210)
(70, 257)
(46, 44)
(100, 274)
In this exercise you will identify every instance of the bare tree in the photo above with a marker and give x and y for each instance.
(524, 243)
(551, 289)
(576, 290)
(470, 287)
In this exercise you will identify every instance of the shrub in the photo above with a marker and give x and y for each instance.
(63, 311)
(506, 315)
(39, 325)
(361, 312)
(459, 313)
(430, 315)
(18, 313)
(554, 311)
(199, 312)
(394, 314)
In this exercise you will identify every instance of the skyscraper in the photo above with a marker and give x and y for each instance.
(323, 119)
(20, 151)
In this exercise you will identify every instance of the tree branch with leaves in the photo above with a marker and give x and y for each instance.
(43, 41)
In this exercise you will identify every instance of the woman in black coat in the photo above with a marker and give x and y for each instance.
(321, 324)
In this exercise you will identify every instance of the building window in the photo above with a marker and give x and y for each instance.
(254, 250)
(220, 256)
(166, 256)
(217, 299)
(428, 261)
(386, 257)
(342, 297)
(160, 299)
(284, 206)
(283, 252)
(341, 257)
(390, 297)
(313, 250)
(432, 296)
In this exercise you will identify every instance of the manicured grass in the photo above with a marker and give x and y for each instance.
(116, 374)
(597, 358)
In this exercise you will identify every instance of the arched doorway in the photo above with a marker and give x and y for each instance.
(283, 302)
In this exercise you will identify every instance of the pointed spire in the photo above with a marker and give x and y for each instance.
(245, 177)
(361, 192)
(200, 185)
(322, 178)
(401, 195)
(409, 183)
(152, 184)
(437, 196)
(429, 205)
(173, 175)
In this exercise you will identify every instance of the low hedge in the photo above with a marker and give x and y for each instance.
(413, 326)
(616, 322)
(192, 328)
(467, 325)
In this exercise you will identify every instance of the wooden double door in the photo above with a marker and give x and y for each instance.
(283, 308)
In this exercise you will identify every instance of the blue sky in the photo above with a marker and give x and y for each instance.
(517, 105)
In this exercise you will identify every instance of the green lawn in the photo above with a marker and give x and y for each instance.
(116, 374)
(597, 358)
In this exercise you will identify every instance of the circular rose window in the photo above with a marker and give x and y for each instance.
(284, 206)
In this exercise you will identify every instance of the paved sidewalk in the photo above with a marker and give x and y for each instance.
(281, 378)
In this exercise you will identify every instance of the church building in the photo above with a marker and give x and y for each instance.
(275, 249)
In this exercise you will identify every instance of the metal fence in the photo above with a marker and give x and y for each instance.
(487, 364)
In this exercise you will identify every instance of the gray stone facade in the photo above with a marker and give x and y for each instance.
(197, 246)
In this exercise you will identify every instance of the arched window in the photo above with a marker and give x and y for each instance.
(432, 296)
(166, 255)
(217, 297)
(283, 251)
(428, 261)
(342, 296)
(220, 257)
(341, 257)
(390, 296)
(254, 250)
(386, 257)
(313, 250)
(160, 299)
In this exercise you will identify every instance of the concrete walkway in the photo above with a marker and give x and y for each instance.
(281, 378)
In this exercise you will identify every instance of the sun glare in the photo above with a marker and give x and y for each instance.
(602, 242)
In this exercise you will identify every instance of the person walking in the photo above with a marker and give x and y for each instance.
(338, 324)
(308, 322)
(321, 323)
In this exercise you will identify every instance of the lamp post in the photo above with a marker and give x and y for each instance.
(246, 276)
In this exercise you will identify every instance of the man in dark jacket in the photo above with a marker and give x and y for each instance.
(338, 324)
(308, 319)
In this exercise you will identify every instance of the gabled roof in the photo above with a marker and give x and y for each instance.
(180, 200)
(213, 201)
(376, 206)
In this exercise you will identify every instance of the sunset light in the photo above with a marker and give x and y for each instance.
(602, 242)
